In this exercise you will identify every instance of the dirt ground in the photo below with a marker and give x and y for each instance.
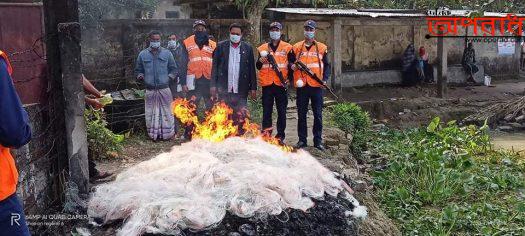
(409, 107)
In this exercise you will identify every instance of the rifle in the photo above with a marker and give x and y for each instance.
(301, 66)
(275, 67)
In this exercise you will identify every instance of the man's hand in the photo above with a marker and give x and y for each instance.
(94, 103)
(264, 60)
(213, 93)
(185, 89)
(293, 67)
(253, 94)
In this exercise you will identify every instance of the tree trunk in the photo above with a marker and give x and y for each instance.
(254, 13)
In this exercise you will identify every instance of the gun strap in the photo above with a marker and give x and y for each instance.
(276, 68)
(318, 58)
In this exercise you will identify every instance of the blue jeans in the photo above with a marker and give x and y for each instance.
(12, 218)
(304, 96)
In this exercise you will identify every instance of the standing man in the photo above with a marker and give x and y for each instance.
(469, 62)
(180, 55)
(233, 74)
(199, 49)
(14, 133)
(314, 55)
(156, 67)
(270, 78)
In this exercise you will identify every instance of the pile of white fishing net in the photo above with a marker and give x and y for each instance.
(195, 184)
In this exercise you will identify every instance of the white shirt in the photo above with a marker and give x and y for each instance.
(234, 62)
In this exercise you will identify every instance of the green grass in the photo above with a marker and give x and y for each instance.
(352, 119)
(446, 180)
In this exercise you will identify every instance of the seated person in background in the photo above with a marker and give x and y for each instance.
(469, 62)
(424, 69)
(409, 71)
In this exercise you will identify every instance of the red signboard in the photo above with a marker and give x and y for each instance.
(22, 38)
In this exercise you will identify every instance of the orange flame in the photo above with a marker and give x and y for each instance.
(218, 125)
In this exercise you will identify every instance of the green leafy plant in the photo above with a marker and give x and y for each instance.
(447, 180)
(352, 119)
(256, 110)
(102, 141)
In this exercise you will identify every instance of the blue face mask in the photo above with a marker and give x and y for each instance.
(235, 38)
(309, 34)
(154, 44)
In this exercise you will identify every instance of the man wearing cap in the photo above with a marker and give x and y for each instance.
(199, 49)
(314, 55)
(273, 88)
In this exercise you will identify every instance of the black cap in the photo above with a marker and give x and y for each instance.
(311, 24)
(199, 22)
(276, 25)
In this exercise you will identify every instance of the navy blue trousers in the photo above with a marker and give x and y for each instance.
(305, 95)
(12, 218)
(269, 95)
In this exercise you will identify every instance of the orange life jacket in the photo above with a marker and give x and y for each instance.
(267, 75)
(199, 60)
(8, 173)
(313, 59)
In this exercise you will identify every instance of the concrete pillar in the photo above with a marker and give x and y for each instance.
(64, 62)
(76, 135)
(442, 68)
(336, 53)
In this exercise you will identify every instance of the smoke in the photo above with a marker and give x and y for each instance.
(194, 185)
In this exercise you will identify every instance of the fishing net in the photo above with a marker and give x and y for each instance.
(194, 185)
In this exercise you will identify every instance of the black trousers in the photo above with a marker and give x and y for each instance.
(277, 94)
(201, 92)
(304, 96)
(239, 105)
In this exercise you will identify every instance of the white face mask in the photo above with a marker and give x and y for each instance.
(275, 35)
(235, 38)
(154, 44)
(172, 44)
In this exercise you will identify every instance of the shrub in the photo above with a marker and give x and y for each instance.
(102, 141)
(256, 110)
(446, 180)
(352, 119)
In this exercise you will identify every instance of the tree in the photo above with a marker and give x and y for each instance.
(92, 12)
(254, 9)
(517, 6)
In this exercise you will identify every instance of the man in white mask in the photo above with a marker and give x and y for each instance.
(314, 55)
(233, 73)
(156, 67)
(178, 90)
(273, 78)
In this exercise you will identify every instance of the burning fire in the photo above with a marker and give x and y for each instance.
(218, 125)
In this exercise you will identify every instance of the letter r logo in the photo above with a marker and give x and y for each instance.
(15, 217)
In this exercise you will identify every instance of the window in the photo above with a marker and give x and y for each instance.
(172, 14)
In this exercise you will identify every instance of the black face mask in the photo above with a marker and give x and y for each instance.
(201, 37)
